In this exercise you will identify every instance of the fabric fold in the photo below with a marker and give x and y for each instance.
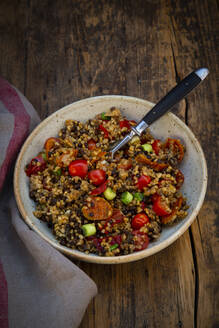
(39, 285)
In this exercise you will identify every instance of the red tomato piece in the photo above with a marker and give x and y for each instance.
(143, 181)
(67, 158)
(117, 239)
(124, 124)
(106, 133)
(159, 207)
(142, 159)
(37, 164)
(91, 144)
(139, 221)
(49, 144)
(156, 145)
(45, 186)
(141, 240)
(79, 168)
(125, 164)
(99, 189)
(143, 205)
(97, 177)
(179, 179)
(172, 216)
(177, 148)
(96, 242)
(117, 216)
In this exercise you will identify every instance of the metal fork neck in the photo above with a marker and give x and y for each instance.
(139, 128)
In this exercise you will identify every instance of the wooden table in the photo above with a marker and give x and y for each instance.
(57, 52)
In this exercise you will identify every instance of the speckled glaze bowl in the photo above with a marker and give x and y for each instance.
(193, 167)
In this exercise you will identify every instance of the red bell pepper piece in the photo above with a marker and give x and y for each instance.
(156, 146)
(99, 190)
(177, 148)
(124, 124)
(106, 133)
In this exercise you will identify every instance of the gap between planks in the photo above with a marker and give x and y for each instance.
(192, 243)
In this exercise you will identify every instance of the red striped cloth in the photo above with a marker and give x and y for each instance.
(15, 113)
(14, 127)
(3, 299)
(35, 275)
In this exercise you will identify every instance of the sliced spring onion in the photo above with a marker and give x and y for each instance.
(139, 196)
(126, 197)
(109, 194)
(147, 147)
(58, 171)
(89, 229)
(44, 156)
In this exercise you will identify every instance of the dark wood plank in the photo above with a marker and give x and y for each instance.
(196, 46)
(145, 293)
(59, 52)
(144, 300)
(13, 42)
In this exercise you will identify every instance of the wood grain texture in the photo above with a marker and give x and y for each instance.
(58, 52)
(196, 46)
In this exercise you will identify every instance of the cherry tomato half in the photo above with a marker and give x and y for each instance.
(159, 207)
(141, 240)
(139, 221)
(97, 177)
(143, 181)
(100, 189)
(91, 144)
(37, 164)
(79, 168)
(156, 145)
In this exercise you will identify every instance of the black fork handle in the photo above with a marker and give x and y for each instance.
(175, 95)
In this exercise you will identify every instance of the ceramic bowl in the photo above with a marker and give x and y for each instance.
(193, 167)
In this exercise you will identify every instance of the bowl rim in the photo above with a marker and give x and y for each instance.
(114, 259)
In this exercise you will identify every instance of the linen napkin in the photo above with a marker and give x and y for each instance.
(39, 287)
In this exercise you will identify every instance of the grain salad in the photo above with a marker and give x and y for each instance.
(106, 206)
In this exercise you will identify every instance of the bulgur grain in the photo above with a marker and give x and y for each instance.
(61, 198)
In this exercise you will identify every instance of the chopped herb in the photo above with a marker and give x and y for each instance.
(114, 247)
(139, 196)
(104, 117)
